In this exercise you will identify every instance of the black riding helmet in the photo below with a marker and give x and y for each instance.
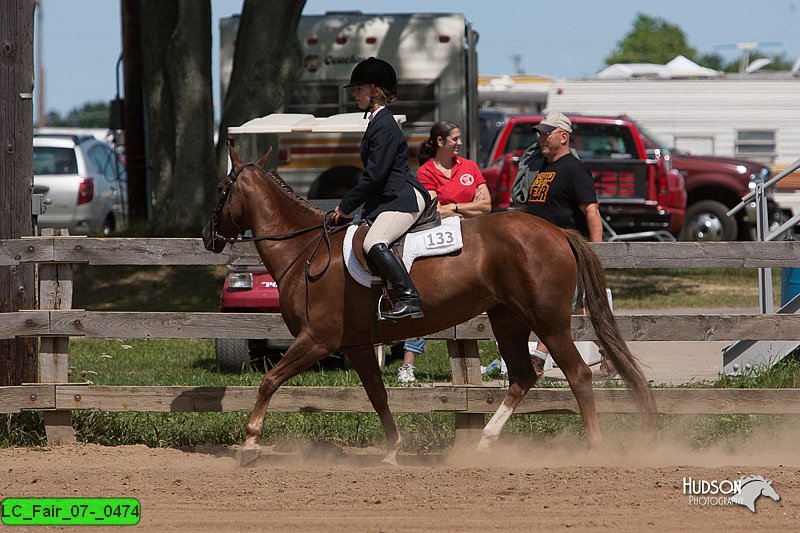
(374, 71)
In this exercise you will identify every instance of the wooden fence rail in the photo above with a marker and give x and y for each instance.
(185, 325)
(55, 322)
(185, 251)
(469, 400)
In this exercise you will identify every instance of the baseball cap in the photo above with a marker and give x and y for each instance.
(553, 120)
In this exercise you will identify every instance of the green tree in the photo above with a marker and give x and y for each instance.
(267, 62)
(652, 40)
(714, 61)
(53, 119)
(88, 115)
(778, 62)
(175, 43)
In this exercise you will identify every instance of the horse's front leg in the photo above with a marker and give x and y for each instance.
(366, 365)
(303, 353)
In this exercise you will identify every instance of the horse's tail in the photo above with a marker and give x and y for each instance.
(593, 280)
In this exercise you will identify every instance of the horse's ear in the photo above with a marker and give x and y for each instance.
(265, 159)
(235, 161)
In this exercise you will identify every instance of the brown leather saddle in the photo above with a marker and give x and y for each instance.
(430, 218)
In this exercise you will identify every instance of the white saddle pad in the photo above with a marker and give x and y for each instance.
(440, 240)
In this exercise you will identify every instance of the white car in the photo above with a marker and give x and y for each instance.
(83, 183)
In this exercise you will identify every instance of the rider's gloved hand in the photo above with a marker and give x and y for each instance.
(338, 218)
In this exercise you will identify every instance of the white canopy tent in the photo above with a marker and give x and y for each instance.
(678, 67)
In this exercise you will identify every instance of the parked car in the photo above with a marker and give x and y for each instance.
(714, 186)
(249, 290)
(83, 183)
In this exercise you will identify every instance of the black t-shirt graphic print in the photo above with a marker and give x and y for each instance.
(559, 190)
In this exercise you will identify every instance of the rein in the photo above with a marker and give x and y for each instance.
(326, 230)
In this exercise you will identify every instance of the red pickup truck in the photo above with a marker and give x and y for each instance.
(637, 188)
(713, 185)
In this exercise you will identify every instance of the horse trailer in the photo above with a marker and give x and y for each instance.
(434, 55)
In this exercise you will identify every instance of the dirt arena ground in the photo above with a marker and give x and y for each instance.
(299, 486)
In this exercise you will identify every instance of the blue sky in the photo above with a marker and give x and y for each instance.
(82, 37)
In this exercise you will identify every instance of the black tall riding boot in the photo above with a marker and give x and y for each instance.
(407, 301)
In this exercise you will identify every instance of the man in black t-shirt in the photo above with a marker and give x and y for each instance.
(563, 193)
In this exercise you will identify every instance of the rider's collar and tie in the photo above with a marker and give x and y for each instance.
(371, 115)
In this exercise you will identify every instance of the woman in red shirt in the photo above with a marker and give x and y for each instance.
(457, 181)
(462, 192)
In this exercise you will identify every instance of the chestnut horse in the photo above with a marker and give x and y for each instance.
(519, 269)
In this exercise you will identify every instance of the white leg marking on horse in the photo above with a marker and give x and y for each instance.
(492, 430)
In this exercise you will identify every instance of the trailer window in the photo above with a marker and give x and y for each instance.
(318, 99)
(756, 143)
(417, 101)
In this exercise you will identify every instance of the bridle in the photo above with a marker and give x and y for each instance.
(223, 197)
(327, 229)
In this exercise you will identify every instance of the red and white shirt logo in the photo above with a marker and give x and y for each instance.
(467, 179)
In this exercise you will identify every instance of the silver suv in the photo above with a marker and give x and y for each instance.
(83, 183)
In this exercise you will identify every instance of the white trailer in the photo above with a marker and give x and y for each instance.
(752, 116)
(434, 55)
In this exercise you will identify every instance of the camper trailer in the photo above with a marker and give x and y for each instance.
(434, 55)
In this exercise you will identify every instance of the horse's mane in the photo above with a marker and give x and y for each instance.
(287, 189)
(747, 479)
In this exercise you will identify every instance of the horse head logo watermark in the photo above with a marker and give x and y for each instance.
(751, 487)
(744, 491)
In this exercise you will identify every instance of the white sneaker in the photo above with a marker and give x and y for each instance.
(405, 374)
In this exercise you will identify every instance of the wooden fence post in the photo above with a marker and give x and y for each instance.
(17, 355)
(55, 292)
(465, 364)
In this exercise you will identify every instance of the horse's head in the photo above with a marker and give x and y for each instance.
(228, 220)
(769, 491)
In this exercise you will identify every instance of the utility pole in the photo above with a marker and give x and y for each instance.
(40, 100)
(17, 289)
(516, 59)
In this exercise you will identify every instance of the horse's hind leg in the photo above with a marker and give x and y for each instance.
(303, 353)
(570, 362)
(512, 339)
(366, 365)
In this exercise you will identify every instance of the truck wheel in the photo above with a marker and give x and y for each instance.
(233, 355)
(708, 220)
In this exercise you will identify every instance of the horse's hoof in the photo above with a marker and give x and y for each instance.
(484, 446)
(247, 455)
(391, 461)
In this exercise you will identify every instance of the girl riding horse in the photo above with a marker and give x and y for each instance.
(393, 198)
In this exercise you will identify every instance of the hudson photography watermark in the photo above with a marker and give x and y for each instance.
(715, 492)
